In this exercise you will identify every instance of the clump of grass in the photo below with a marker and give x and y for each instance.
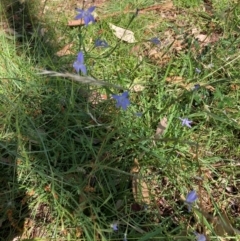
(71, 161)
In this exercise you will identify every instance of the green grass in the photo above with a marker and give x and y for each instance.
(68, 163)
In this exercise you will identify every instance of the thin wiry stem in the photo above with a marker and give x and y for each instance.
(80, 79)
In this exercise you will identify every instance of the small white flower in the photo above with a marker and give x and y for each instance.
(198, 71)
(200, 237)
(186, 122)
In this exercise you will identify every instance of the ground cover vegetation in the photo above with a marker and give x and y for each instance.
(119, 120)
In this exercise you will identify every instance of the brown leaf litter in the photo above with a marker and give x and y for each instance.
(66, 50)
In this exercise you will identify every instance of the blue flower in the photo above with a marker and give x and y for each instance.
(155, 40)
(196, 87)
(122, 100)
(114, 226)
(186, 122)
(101, 43)
(190, 199)
(79, 63)
(86, 15)
(200, 237)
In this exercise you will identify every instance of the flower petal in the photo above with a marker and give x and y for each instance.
(80, 57)
(191, 197)
(200, 237)
(101, 43)
(116, 97)
(155, 40)
(76, 66)
(114, 226)
(79, 16)
(125, 94)
(125, 103)
(91, 9)
(83, 69)
(197, 70)
(122, 100)
(186, 122)
(88, 18)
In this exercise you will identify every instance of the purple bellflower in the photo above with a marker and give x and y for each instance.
(122, 100)
(190, 199)
(186, 122)
(200, 237)
(196, 87)
(79, 63)
(101, 43)
(114, 226)
(155, 40)
(86, 15)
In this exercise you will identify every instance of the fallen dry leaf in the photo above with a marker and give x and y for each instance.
(141, 191)
(139, 186)
(79, 232)
(161, 127)
(74, 23)
(195, 31)
(30, 193)
(96, 97)
(209, 87)
(123, 34)
(234, 87)
(203, 38)
(66, 50)
(135, 50)
(174, 79)
(154, 53)
(136, 167)
(137, 88)
(89, 189)
(179, 81)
